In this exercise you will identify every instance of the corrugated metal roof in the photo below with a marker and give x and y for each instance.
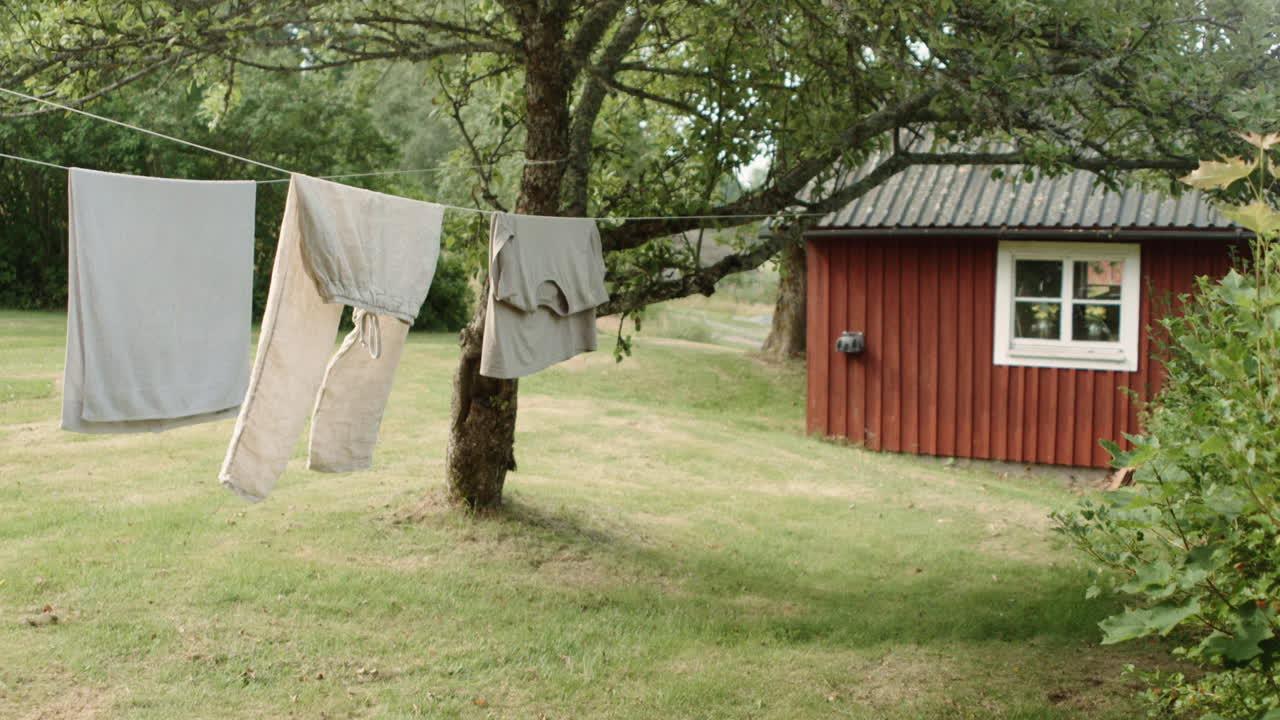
(967, 196)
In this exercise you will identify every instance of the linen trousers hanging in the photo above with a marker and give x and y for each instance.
(338, 246)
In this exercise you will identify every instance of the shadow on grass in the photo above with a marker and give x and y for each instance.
(744, 590)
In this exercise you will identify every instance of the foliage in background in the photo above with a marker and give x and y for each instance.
(666, 104)
(448, 304)
(317, 124)
(1195, 542)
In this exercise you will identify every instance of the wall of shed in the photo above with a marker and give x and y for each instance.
(927, 383)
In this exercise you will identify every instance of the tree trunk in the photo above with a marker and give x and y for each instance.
(482, 435)
(787, 332)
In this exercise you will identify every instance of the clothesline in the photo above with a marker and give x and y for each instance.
(482, 211)
(33, 161)
(241, 158)
(460, 208)
(345, 176)
(411, 171)
(142, 130)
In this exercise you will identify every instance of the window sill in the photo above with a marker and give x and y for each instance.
(1069, 357)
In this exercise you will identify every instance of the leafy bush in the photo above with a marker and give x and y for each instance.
(448, 304)
(1194, 544)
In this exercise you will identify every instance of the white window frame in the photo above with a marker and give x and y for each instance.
(1121, 355)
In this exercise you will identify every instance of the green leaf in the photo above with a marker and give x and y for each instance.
(1249, 629)
(1154, 579)
(1205, 558)
(1212, 174)
(1142, 453)
(1132, 624)
(1225, 500)
(1257, 216)
(1119, 458)
(1214, 445)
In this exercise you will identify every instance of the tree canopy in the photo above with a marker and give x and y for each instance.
(667, 99)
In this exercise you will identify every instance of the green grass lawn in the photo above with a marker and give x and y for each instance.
(673, 547)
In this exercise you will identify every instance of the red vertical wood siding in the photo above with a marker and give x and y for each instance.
(858, 318)
(815, 334)
(891, 332)
(873, 359)
(927, 384)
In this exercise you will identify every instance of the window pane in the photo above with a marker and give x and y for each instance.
(1038, 278)
(1099, 323)
(1037, 320)
(1098, 279)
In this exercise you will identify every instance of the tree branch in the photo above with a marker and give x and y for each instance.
(786, 186)
(703, 279)
(496, 39)
(590, 32)
(587, 110)
(483, 169)
(83, 100)
(611, 83)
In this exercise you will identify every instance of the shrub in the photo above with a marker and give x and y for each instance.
(448, 304)
(1194, 544)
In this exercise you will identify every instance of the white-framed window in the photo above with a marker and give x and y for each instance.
(1068, 305)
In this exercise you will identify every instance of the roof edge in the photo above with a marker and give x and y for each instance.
(1038, 233)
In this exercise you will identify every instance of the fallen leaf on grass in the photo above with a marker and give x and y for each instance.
(41, 619)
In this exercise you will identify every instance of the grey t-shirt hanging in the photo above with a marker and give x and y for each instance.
(546, 277)
(158, 301)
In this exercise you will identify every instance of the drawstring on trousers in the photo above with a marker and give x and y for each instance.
(370, 332)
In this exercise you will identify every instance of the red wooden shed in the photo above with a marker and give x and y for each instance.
(1000, 320)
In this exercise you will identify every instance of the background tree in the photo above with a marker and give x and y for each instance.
(323, 123)
(787, 327)
(644, 107)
